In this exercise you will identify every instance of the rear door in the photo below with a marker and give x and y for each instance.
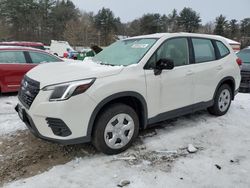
(13, 66)
(207, 69)
(40, 57)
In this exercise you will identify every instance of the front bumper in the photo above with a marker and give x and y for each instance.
(64, 122)
(31, 126)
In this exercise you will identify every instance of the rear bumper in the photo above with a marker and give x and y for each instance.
(245, 90)
(244, 87)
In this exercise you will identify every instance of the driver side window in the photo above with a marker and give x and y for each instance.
(175, 49)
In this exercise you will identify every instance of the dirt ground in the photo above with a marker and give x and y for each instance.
(24, 155)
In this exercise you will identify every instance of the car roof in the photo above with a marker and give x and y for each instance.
(20, 48)
(22, 43)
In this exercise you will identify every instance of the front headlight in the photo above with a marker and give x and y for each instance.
(66, 90)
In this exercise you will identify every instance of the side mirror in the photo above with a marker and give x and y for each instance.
(167, 64)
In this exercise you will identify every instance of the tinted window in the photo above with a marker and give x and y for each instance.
(12, 57)
(42, 57)
(222, 49)
(175, 49)
(203, 50)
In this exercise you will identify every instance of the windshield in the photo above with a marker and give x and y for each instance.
(125, 52)
(244, 55)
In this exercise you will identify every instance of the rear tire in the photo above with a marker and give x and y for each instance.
(115, 129)
(222, 101)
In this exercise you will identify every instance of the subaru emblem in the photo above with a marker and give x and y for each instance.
(25, 84)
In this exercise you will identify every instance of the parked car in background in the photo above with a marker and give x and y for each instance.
(83, 53)
(70, 54)
(91, 52)
(15, 62)
(47, 48)
(244, 55)
(37, 45)
(59, 48)
(129, 86)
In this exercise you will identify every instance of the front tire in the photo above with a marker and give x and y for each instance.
(222, 101)
(115, 129)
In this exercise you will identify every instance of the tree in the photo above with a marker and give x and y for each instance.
(73, 32)
(208, 28)
(81, 32)
(106, 23)
(221, 26)
(133, 28)
(165, 23)
(172, 21)
(4, 30)
(189, 20)
(233, 29)
(45, 19)
(61, 14)
(245, 32)
(245, 27)
(151, 23)
(21, 16)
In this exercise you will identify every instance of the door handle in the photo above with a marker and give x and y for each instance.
(219, 67)
(189, 73)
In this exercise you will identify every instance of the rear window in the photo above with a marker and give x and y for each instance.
(203, 50)
(244, 55)
(12, 57)
(42, 57)
(224, 51)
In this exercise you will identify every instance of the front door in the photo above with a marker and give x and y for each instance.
(172, 89)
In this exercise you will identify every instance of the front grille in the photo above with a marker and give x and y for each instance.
(58, 127)
(28, 91)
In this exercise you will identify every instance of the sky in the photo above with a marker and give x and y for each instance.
(128, 10)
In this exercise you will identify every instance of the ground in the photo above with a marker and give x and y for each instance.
(158, 158)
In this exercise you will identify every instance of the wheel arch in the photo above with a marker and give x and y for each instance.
(227, 80)
(133, 99)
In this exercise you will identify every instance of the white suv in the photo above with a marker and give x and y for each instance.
(130, 85)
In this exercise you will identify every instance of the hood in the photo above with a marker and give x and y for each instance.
(245, 67)
(54, 73)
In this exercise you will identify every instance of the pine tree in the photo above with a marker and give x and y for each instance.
(189, 20)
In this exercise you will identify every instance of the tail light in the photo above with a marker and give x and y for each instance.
(239, 61)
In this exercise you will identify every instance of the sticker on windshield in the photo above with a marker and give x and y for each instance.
(139, 46)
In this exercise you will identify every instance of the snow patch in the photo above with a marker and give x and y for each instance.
(9, 120)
